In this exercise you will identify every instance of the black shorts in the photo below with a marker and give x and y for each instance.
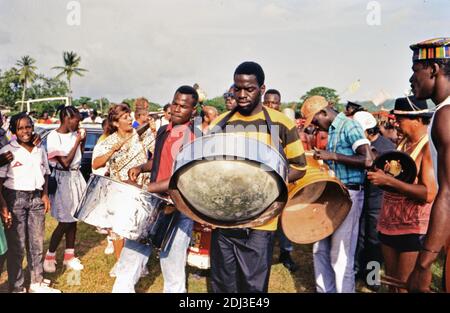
(403, 243)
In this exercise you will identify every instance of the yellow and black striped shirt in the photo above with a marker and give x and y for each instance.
(288, 136)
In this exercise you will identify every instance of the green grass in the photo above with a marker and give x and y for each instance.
(95, 276)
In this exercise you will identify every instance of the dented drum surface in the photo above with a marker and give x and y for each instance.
(229, 180)
(129, 211)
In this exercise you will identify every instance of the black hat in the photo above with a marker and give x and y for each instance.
(411, 107)
(353, 104)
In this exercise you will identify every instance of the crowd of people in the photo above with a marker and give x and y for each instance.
(403, 224)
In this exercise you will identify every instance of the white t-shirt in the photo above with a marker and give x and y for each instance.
(161, 122)
(27, 170)
(95, 153)
(60, 145)
(98, 119)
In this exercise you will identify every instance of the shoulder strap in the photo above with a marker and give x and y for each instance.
(419, 147)
(401, 144)
(223, 122)
(272, 136)
(159, 143)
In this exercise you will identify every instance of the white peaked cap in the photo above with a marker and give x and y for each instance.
(365, 119)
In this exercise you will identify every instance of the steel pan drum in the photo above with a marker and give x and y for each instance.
(130, 212)
(229, 180)
(318, 204)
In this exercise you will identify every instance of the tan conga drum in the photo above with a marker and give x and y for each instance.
(318, 203)
(229, 181)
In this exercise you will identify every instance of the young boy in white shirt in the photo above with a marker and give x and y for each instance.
(24, 202)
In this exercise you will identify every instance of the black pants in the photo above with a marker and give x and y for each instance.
(368, 247)
(241, 260)
(2, 262)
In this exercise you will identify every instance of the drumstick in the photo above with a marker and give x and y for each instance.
(393, 282)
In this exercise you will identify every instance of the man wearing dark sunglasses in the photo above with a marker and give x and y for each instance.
(230, 101)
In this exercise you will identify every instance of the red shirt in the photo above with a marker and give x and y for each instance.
(174, 141)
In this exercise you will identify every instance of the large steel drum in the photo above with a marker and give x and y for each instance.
(128, 211)
(229, 180)
(318, 204)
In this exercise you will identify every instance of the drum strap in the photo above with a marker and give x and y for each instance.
(422, 142)
(222, 124)
(160, 139)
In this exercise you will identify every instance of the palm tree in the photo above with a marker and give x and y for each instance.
(27, 74)
(71, 63)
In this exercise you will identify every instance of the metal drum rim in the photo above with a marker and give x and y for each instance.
(128, 186)
(283, 167)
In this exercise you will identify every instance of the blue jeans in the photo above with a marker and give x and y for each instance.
(334, 256)
(25, 237)
(134, 257)
(285, 243)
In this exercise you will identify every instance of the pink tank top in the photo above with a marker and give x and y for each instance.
(401, 215)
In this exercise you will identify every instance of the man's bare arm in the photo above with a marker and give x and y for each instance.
(439, 230)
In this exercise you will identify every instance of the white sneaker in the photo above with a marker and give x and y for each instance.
(49, 265)
(101, 231)
(43, 287)
(112, 272)
(109, 247)
(73, 264)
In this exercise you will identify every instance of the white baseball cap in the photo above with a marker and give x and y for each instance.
(365, 119)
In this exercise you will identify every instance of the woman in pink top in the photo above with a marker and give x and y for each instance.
(405, 213)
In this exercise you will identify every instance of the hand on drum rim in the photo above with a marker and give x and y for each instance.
(133, 183)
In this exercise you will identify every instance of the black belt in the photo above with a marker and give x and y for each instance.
(29, 192)
(355, 187)
(66, 170)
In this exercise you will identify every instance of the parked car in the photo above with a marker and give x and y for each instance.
(93, 132)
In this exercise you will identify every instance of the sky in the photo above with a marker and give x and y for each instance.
(149, 48)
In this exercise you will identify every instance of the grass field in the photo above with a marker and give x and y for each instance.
(95, 276)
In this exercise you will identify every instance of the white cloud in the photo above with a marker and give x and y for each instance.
(272, 10)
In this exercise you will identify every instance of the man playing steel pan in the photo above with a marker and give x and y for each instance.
(170, 138)
(241, 257)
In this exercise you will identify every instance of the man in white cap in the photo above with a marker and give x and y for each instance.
(369, 247)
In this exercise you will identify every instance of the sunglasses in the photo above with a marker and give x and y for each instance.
(228, 95)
